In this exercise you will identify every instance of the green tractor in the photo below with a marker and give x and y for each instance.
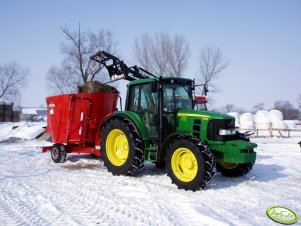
(159, 125)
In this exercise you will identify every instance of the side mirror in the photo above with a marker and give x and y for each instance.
(154, 87)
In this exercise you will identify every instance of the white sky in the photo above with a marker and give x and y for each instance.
(262, 39)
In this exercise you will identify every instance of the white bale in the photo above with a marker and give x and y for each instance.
(236, 116)
(247, 126)
(291, 124)
(261, 116)
(246, 121)
(279, 125)
(246, 118)
(275, 116)
(262, 125)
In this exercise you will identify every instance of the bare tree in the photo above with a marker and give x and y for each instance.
(229, 108)
(287, 109)
(143, 52)
(13, 79)
(161, 52)
(232, 108)
(162, 55)
(179, 55)
(212, 63)
(75, 69)
(299, 101)
(257, 107)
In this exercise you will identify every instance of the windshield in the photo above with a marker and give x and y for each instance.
(177, 96)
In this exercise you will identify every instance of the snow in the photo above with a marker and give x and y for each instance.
(21, 130)
(36, 191)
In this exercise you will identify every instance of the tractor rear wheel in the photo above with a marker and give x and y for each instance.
(122, 148)
(233, 169)
(58, 153)
(189, 164)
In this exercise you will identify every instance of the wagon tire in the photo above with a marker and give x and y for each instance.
(121, 146)
(58, 153)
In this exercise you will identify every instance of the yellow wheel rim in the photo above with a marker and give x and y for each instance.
(228, 165)
(184, 164)
(117, 147)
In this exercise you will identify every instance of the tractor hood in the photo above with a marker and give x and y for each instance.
(204, 115)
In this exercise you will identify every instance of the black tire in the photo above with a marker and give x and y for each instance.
(58, 153)
(135, 158)
(160, 164)
(203, 159)
(237, 170)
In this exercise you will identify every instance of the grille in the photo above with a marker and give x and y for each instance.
(215, 125)
(196, 128)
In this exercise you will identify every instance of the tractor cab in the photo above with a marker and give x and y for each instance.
(159, 98)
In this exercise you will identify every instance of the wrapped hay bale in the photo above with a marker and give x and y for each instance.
(262, 116)
(262, 120)
(279, 125)
(275, 116)
(246, 121)
(276, 119)
(236, 116)
(97, 87)
(291, 124)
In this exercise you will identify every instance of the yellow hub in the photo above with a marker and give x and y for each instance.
(228, 165)
(117, 147)
(184, 164)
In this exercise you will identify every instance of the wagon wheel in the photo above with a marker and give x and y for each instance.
(58, 153)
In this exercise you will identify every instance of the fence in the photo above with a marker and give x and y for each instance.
(283, 133)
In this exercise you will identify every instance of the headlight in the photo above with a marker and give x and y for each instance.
(226, 132)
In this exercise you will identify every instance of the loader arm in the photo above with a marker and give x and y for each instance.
(118, 69)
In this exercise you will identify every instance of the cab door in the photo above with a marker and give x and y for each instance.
(145, 103)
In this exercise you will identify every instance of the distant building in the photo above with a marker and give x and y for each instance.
(8, 112)
(33, 114)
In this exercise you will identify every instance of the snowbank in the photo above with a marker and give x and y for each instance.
(21, 130)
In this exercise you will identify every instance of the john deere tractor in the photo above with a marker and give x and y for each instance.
(159, 125)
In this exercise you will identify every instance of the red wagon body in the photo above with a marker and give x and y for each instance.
(74, 120)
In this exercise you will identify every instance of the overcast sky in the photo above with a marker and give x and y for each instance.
(262, 39)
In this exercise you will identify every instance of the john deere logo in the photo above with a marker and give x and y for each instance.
(282, 215)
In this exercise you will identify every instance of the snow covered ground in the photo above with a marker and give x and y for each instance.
(36, 191)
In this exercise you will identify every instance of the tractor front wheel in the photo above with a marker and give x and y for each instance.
(233, 169)
(189, 164)
(58, 153)
(122, 148)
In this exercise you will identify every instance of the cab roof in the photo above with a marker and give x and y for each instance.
(149, 80)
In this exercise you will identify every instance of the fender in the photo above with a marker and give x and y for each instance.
(132, 118)
(161, 152)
